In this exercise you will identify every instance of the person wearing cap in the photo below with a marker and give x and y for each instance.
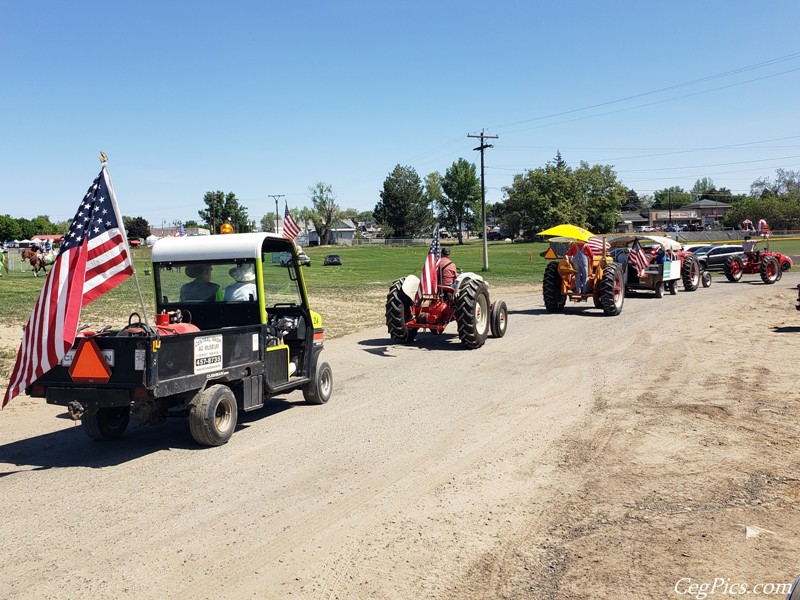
(244, 289)
(748, 245)
(201, 288)
(448, 268)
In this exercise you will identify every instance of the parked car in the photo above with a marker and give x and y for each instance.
(303, 258)
(332, 259)
(697, 248)
(714, 258)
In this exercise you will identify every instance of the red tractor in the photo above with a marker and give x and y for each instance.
(767, 264)
(466, 302)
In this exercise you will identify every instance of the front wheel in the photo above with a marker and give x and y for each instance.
(499, 322)
(706, 279)
(212, 418)
(734, 268)
(320, 388)
(659, 289)
(107, 423)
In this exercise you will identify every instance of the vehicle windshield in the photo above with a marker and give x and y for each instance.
(280, 279)
(702, 250)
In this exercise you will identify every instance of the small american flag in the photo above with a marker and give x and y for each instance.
(93, 259)
(638, 258)
(430, 272)
(290, 228)
(598, 245)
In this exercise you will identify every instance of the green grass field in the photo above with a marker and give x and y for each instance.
(365, 269)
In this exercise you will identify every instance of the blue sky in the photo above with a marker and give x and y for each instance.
(263, 98)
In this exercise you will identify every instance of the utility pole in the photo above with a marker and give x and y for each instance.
(483, 147)
(277, 215)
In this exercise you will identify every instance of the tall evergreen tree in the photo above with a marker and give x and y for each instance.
(402, 210)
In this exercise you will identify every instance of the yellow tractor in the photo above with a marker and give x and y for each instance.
(606, 288)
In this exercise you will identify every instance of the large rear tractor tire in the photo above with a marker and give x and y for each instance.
(398, 313)
(107, 423)
(770, 270)
(690, 273)
(733, 268)
(320, 388)
(612, 289)
(212, 419)
(472, 313)
(554, 299)
(499, 322)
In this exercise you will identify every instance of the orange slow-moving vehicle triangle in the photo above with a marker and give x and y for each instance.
(551, 253)
(89, 365)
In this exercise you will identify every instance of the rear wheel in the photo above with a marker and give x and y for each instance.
(690, 273)
(612, 289)
(672, 287)
(472, 313)
(213, 417)
(499, 322)
(733, 268)
(554, 298)
(107, 423)
(398, 313)
(770, 270)
(660, 289)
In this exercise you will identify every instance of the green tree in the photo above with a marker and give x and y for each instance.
(432, 190)
(402, 210)
(600, 195)
(589, 196)
(9, 229)
(703, 186)
(674, 197)
(785, 182)
(136, 227)
(191, 223)
(27, 228)
(268, 222)
(221, 207)
(632, 201)
(460, 202)
(325, 212)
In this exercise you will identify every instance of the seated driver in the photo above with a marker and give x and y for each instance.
(244, 289)
(748, 245)
(448, 269)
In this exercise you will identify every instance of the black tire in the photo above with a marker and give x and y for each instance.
(398, 313)
(499, 320)
(472, 313)
(705, 278)
(554, 299)
(733, 268)
(213, 416)
(107, 423)
(612, 289)
(319, 389)
(770, 270)
(690, 273)
(785, 266)
(659, 289)
(672, 287)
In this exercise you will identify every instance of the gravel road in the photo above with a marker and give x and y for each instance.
(580, 456)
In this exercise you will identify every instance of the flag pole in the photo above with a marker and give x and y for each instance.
(104, 164)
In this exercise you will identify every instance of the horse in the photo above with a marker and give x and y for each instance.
(37, 261)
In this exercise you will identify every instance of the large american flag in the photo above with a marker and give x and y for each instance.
(638, 258)
(430, 272)
(92, 260)
(290, 227)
